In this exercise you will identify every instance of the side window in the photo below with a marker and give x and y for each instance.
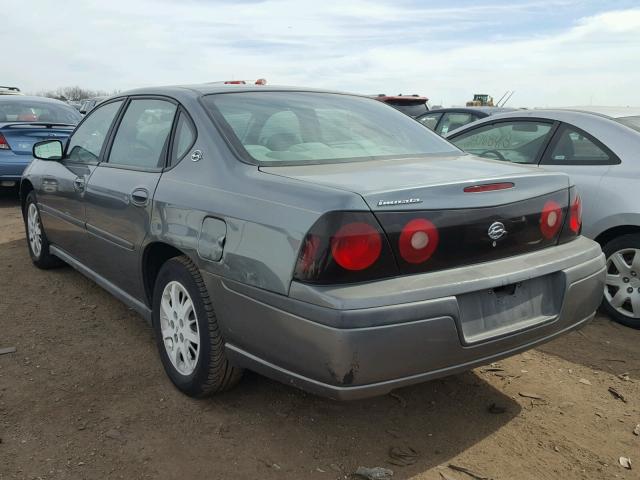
(430, 120)
(86, 142)
(451, 121)
(143, 134)
(516, 141)
(574, 147)
(183, 140)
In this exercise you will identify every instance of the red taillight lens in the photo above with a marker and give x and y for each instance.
(551, 219)
(418, 240)
(356, 246)
(345, 247)
(3, 143)
(575, 215)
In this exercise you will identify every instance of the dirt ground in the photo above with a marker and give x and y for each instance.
(85, 397)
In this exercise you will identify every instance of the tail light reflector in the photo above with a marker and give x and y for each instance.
(551, 219)
(418, 240)
(3, 143)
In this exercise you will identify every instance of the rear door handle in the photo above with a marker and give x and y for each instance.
(79, 183)
(140, 197)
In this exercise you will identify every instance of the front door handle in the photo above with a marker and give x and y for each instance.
(140, 197)
(79, 183)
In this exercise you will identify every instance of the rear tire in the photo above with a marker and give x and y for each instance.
(37, 241)
(187, 334)
(622, 289)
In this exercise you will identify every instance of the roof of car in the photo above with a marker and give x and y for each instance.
(23, 98)
(211, 88)
(487, 110)
(612, 112)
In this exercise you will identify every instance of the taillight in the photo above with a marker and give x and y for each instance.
(573, 225)
(418, 240)
(344, 247)
(575, 215)
(356, 246)
(3, 143)
(551, 219)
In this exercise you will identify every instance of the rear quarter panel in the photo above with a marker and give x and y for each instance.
(266, 215)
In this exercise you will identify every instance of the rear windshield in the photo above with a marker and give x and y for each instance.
(277, 128)
(413, 109)
(25, 110)
(631, 122)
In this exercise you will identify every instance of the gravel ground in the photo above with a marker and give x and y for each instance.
(85, 397)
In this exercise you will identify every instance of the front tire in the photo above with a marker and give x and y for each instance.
(622, 287)
(37, 241)
(187, 333)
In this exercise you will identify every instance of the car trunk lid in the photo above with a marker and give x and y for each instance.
(22, 136)
(464, 210)
(435, 182)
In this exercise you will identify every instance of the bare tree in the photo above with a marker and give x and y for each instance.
(74, 93)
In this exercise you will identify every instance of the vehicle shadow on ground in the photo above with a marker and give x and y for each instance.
(9, 197)
(431, 422)
(602, 345)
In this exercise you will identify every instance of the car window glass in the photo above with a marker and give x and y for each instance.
(142, 134)
(86, 142)
(184, 138)
(574, 147)
(451, 121)
(302, 127)
(430, 120)
(518, 141)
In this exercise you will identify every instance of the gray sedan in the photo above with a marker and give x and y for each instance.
(323, 239)
(600, 151)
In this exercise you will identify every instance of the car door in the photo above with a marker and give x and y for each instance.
(586, 160)
(517, 140)
(120, 191)
(61, 186)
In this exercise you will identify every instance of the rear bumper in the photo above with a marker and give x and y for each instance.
(357, 341)
(11, 169)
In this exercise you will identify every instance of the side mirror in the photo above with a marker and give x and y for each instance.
(48, 150)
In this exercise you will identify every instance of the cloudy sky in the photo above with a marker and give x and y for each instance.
(552, 53)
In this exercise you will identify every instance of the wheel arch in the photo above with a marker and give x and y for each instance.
(154, 256)
(606, 236)
(25, 188)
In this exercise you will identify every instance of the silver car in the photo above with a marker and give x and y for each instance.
(323, 239)
(601, 153)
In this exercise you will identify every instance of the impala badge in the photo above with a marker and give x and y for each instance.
(496, 231)
(404, 201)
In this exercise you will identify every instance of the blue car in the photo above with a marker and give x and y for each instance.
(24, 121)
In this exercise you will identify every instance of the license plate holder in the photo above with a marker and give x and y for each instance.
(506, 309)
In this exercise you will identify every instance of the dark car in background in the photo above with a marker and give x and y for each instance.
(90, 103)
(25, 120)
(444, 120)
(412, 105)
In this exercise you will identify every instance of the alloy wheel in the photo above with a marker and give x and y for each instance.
(622, 286)
(33, 230)
(179, 327)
